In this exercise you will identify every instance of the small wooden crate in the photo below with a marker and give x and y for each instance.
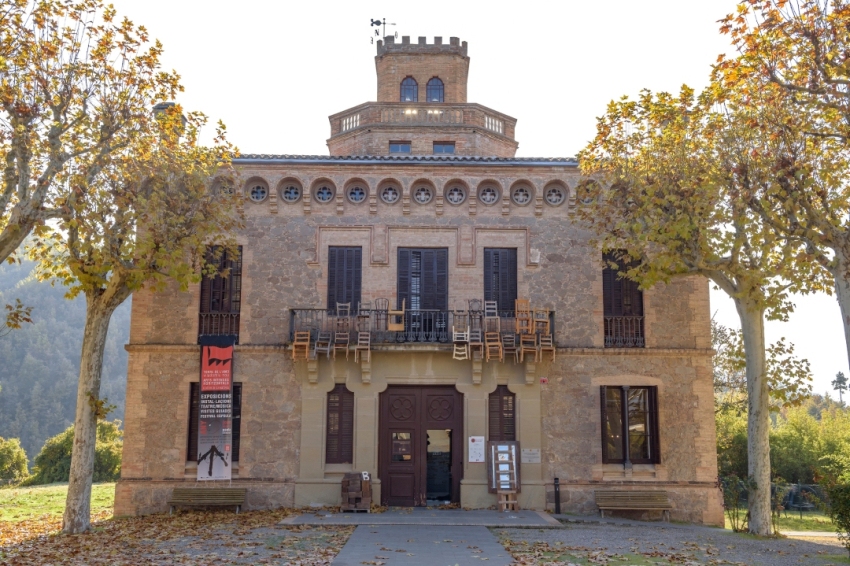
(507, 500)
(356, 494)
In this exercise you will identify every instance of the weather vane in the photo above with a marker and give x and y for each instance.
(380, 23)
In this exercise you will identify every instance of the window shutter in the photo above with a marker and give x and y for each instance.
(194, 402)
(237, 420)
(441, 268)
(603, 396)
(502, 414)
(357, 276)
(339, 434)
(403, 277)
(654, 428)
(332, 276)
(636, 296)
(429, 280)
(489, 285)
(507, 278)
(344, 276)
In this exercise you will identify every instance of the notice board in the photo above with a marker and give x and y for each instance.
(503, 470)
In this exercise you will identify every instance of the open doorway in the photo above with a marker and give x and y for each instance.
(439, 467)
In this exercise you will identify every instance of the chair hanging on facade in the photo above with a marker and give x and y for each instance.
(395, 319)
(324, 343)
(493, 346)
(301, 345)
(341, 342)
(509, 346)
(476, 345)
(492, 322)
(541, 322)
(343, 317)
(381, 308)
(461, 344)
(527, 345)
(364, 314)
(363, 346)
(546, 345)
(522, 312)
(476, 314)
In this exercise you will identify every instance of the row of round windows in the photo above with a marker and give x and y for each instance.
(553, 194)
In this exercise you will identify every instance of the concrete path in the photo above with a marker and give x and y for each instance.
(404, 545)
(425, 516)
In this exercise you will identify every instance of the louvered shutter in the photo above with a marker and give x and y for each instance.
(356, 277)
(441, 289)
(345, 276)
(339, 433)
(404, 256)
(500, 277)
(654, 428)
(428, 295)
(502, 414)
(235, 287)
(237, 420)
(194, 404)
(603, 397)
(332, 278)
(489, 283)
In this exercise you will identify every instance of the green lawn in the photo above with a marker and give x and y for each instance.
(21, 503)
(811, 521)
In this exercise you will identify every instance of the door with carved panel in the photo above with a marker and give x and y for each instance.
(421, 445)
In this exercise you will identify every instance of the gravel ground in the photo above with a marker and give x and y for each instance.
(662, 544)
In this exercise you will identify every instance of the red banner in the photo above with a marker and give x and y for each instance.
(216, 368)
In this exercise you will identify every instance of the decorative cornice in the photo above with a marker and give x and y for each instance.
(465, 160)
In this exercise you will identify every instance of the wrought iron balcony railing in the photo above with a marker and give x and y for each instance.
(218, 324)
(420, 326)
(624, 332)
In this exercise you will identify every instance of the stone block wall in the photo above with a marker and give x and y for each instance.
(422, 61)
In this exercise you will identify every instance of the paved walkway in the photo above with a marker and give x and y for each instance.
(428, 545)
(425, 516)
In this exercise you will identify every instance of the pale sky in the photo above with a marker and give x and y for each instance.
(274, 72)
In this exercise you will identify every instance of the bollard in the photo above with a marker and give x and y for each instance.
(557, 496)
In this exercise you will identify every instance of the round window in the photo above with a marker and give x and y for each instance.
(456, 195)
(555, 196)
(489, 195)
(390, 194)
(324, 194)
(259, 193)
(356, 194)
(521, 196)
(423, 195)
(291, 193)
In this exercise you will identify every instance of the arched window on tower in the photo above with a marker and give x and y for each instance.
(409, 90)
(434, 90)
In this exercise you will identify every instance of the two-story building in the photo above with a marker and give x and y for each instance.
(419, 224)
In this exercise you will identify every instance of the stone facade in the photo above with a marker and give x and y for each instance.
(296, 207)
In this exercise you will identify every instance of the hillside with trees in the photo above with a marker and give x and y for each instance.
(40, 362)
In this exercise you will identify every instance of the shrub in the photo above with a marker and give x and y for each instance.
(733, 489)
(13, 460)
(839, 511)
(53, 463)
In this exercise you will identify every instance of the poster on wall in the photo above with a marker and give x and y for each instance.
(215, 413)
(476, 449)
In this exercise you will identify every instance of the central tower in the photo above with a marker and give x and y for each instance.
(422, 107)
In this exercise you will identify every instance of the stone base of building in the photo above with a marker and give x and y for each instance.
(143, 497)
(692, 503)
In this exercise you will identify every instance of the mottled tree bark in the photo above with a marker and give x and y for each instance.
(758, 417)
(840, 270)
(100, 304)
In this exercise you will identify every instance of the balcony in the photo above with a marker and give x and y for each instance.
(218, 324)
(420, 326)
(624, 332)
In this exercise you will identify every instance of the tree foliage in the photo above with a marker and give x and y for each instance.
(13, 460)
(53, 462)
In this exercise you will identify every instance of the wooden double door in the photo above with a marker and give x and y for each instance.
(420, 445)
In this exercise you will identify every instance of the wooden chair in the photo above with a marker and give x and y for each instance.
(301, 343)
(491, 317)
(527, 344)
(364, 313)
(343, 317)
(546, 345)
(363, 346)
(323, 343)
(341, 342)
(392, 316)
(493, 346)
(461, 344)
(476, 345)
(541, 321)
(381, 308)
(522, 312)
(509, 345)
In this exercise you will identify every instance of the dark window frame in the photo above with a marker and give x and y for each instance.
(432, 283)
(501, 277)
(435, 89)
(339, 426)
(222, 294)
(501, 423)
(651, 424)
(442, 148)
(623, 308)
(408, 87)
(194, 408)
(345, 276)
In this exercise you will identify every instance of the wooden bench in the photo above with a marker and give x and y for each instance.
(633, 500)
(207, 497)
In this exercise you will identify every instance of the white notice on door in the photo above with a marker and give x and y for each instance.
(476, 449)
(530, 455)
